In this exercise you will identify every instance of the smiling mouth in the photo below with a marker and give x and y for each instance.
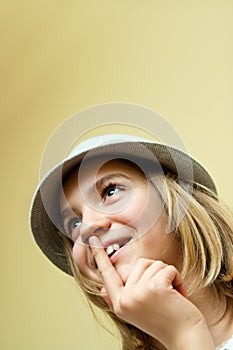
(113, 248)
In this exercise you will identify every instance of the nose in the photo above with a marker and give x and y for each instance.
(94, 222)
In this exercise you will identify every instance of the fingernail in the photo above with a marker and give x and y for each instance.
(95, 242)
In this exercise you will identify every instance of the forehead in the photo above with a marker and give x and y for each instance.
(92, 170)
(123, 165)
(86, 178)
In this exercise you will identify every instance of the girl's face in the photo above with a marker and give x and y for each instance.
(124, 210)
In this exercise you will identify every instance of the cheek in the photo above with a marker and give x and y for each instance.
(145, 211)
(79, 256)
(85, 262)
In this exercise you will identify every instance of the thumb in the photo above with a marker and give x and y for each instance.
(106, 298)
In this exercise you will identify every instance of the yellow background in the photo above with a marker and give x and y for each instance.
(58, 57)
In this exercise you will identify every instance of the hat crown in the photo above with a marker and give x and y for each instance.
(104, 140)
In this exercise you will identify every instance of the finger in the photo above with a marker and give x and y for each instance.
(170, 277)
(106, 298)
(152, 270)
(139, 269)
(112, 281)
(177, 280)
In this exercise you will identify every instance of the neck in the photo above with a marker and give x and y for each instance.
(221, 328)
(213, 309)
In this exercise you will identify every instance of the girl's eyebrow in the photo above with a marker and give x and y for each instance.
(67, 212)
(100, 182)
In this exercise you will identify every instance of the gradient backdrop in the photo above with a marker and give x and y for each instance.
(58, 57)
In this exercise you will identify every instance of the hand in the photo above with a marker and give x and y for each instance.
(153, 299)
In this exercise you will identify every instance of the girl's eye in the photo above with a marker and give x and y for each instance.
(71, 227)
(111, 191)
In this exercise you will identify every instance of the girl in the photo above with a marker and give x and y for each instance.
(140, 227)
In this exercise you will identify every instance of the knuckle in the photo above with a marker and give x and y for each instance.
(139, 295)
(141, 262)
(124, 306)
(154, 288)
(171, 268)
(125, 303)
(159, 263)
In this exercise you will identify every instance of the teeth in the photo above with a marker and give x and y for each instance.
(112, 247)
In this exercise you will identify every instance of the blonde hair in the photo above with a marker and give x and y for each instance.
(205, 233)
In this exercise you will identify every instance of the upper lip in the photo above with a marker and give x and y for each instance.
(119, 240)
(119, 236)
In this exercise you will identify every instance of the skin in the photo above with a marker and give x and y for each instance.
(142, 285)
(136, 219)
